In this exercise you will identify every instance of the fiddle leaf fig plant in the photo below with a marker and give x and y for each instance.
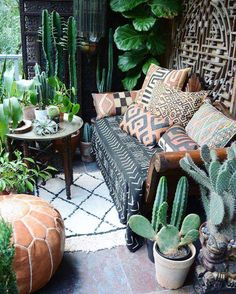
(140, 38)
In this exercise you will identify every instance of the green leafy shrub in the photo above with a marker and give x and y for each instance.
(140, 38)
(7, 251)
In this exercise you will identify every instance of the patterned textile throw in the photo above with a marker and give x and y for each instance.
(110, 104)
(124, 162)
(176, 139)
(171, 78)
(178, 106)
(147, 128)
(211, 127)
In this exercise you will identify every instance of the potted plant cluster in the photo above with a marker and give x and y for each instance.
(217, 258)
(86, 143)
(173, 250)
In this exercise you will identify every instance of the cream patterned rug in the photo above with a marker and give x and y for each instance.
(90, 217)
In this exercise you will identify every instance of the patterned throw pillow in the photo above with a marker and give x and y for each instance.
(171, 78)
(178, 106)
(211, 127)
(147, 128)
(110, 104)
(176, 139)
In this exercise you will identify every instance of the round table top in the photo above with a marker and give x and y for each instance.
(66, 129)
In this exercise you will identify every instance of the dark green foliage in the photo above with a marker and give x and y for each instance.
(7, 252)
(87, 132)
(140, 38)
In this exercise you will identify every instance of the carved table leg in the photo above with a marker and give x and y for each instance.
(68, 170)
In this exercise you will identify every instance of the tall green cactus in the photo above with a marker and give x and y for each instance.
(87, 132)
(47, 43)
(57, 34)
(218, 190)
(161, 196)
(104, 79)
(180, 202)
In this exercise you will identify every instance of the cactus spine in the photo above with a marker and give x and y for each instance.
(218, 191)
(104, 80)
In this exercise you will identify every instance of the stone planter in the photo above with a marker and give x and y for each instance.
(171, 274)
(85, 151)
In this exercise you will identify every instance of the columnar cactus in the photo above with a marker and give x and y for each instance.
(87, 133)
(218, 190)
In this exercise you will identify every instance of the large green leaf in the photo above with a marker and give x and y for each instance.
(131, 81)
(130, 59)
(125, 5)
(165, 8)
(155, 45)
(148, 63)
(8, 78)
(144, 24)
(3, 123)
(127, 38)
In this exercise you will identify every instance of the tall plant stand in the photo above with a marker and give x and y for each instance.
(65, 132)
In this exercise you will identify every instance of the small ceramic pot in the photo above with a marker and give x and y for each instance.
(171, 274)
(40, 114)
(28, 112)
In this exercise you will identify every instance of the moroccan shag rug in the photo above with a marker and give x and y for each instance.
(90, 217)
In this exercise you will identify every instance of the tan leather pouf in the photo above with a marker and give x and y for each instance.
(39, 239)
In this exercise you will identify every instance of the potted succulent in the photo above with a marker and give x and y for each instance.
(178, 211)
(173, 250)
(17, 177)
(44, 127)
(86, 143)
(217, 264)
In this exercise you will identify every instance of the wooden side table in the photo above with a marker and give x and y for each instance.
(66, 130)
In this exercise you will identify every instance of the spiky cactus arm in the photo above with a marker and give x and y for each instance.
(180, 202)
(205, 155)
(213, 170)
(205, 200)
(57, 35)
(110, 62)
(161, 196)
(98, 75)
(47, 42)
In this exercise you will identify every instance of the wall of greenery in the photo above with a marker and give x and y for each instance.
(141, 39)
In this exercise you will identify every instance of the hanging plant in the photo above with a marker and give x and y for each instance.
(140, 38)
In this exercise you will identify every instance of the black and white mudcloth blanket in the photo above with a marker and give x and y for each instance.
(123, 162)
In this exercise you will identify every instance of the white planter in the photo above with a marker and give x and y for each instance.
(171, 274)
(40, 114)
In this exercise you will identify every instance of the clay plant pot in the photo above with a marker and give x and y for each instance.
(85, 151)
(58, 144)
(170, 273)
(40, 114)
(28, 112)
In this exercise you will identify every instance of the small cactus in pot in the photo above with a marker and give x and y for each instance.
(86, 143)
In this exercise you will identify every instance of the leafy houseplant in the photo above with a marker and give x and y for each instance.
(140, 39)
(170, 239)
(15, 176)
(218, 191)
(85, 143)
(7, 252)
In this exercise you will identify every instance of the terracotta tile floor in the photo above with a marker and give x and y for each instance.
(114, 271)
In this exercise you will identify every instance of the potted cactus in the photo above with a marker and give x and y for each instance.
(85, 143)
(217, 266)
(179, 206)
(173, 250)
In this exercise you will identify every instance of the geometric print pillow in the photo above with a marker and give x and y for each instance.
(172, 78)
(147, 128)
(110, 104)
(211, 127)
(178, 106)
(176, 139)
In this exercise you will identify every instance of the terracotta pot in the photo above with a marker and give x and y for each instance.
(40, 114)
(58, 144)
(171, 274)
(28, 112)
(85, 151)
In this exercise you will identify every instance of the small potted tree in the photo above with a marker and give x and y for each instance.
(217, 266)
(86, 143)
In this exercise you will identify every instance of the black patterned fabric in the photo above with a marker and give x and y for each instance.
(124, 162)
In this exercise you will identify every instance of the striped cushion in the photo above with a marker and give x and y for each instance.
(176, 139)
(146, 127)
(171, 78)
(110, 104)
(211, 127)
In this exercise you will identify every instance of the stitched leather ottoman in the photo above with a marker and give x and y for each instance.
(38, 236)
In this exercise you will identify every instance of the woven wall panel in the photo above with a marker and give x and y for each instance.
(206, 41)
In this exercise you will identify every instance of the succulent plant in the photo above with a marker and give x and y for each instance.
(53, 112)
(218, 190)
(87, 133)
(45, 127)
(169, 239)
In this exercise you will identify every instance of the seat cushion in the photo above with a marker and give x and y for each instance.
(124, 162)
